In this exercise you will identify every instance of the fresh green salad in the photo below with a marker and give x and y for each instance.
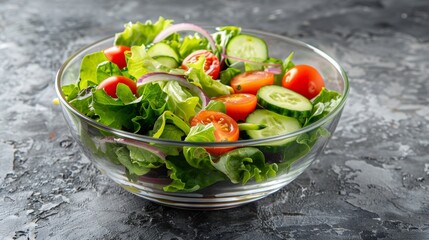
(180, 82)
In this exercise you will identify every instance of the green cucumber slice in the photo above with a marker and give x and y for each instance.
(284, 101)
(250, 126)
(163, 49)
(167, 61)
(247, 47)
(276, 124)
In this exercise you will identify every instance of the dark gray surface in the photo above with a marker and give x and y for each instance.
(370, 183)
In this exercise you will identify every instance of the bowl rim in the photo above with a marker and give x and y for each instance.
(246, 142)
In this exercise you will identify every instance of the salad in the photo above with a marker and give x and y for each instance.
(180, 82)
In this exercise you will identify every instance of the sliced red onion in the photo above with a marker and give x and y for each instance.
(274, 70)
(274, 65)
(185, 27)
(222, 58)
(137, 144)
(161, 76)
(156, 180)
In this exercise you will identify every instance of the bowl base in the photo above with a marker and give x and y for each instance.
(222, 195)
(205, 206)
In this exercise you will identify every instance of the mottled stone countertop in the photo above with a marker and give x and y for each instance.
(371, 182)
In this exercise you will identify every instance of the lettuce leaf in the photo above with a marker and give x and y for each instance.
(70, 91)
(180, 101)
(141, 33)
(168, 118)
(198, 157)
(201, 133)
(192, 170)
(226, 75)
(138, 161)
(189, 179)
(88, 69)
(81, 100)
(113, 112)
(107, 69)
(144, 158)
(323, 104)
(123, 156)
(171, 132)
(125, 94)
(287, 63)
(217, 106)
(140, 63)
(299, 148)
(191, 44)
(198, 77)
(243, 164)
(171, 127)
(152, 105)
(128, 112)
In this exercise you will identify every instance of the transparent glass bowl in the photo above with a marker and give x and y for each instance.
(89, 134)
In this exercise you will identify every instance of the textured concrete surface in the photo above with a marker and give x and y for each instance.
(372, 181)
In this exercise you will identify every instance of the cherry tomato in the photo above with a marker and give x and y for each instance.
(238, 105)
(116, 55)
(226, 129)
(212, 64)
(252, 81)
(305, 80)
(109, 85)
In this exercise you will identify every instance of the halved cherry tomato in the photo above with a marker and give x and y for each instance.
(238, 105)
(305, 80)
(116, 55)
(226, 129)
(109, 85)
(212, 64)
(252, 81)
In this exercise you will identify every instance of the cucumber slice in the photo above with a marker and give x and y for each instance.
(247, 47)
(250, 126)
(163, 49)
(284, 101)
(276, 124)
(167, 61)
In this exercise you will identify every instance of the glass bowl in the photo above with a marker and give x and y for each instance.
(294, 158)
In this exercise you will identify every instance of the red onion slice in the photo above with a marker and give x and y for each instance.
(137, 144)
(274, 70)
(155, 180)
(161, 76)
(186, 27)
(222, 58)
(274, 65)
